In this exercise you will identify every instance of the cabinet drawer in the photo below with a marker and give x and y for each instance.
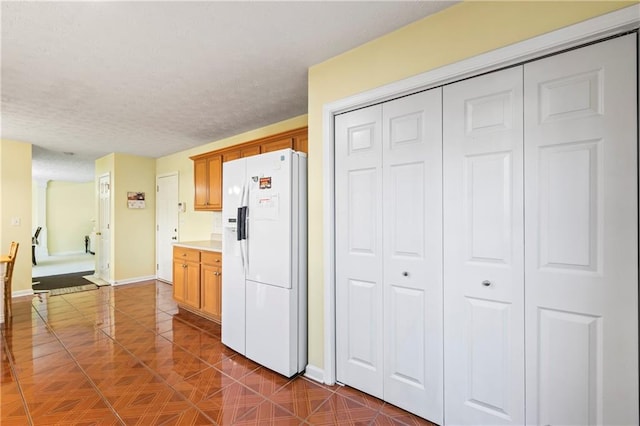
(211, 258)
(189, 255)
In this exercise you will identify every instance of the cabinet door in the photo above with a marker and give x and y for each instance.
(210, 290)
(250, 151)
(192, 284)
(207, 178)
(201, 183)
(178, 280)
(214, 178)
(301, 143)
(230, 156)
(277, 145)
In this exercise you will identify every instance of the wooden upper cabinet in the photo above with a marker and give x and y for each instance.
(207, 178)
(301, 143)
(250, 150)
(277, 144)
(241, 153)
(207, 167)
(231, 155)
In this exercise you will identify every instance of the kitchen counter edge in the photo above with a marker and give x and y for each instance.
(208, 245)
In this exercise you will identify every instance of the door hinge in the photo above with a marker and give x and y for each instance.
(157, 267)
(157, 188)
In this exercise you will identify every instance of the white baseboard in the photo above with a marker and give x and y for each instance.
(66, 253)
(314, 373)
(20, 293)
(132, 280)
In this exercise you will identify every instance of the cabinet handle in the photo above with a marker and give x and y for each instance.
(184, 254)
(218, 260)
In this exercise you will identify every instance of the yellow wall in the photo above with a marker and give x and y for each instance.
(198, 225)
(70, 215)
(15, 202)
(456, 33)
(132, 230)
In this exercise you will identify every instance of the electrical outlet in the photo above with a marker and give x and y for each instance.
(15, 221)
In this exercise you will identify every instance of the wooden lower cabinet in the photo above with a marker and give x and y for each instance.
(211, 284)
(186, 276)
(197, 281)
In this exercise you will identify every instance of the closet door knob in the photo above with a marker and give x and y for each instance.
(486, 283)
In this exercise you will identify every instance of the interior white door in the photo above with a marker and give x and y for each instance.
(359, 250)
(483, 250)
(412, 248)
(104, 226)
(166, 224)
(581, 233)
(389, 252)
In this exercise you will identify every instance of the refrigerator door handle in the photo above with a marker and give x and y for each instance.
(246, 241)
(245, 226)
(239, 224)
(242, 223)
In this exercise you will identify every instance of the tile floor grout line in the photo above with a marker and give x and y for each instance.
(15, 377)
(147, 367)
(75, 361)
(111, 328)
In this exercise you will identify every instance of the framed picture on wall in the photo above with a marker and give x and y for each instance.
(135, 200)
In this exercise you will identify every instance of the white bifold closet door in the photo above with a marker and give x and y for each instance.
(389, 252)
(484, 250)
(581, 234)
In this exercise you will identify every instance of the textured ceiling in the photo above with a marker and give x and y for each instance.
(154, 78)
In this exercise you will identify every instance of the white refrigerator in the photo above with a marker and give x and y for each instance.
(264, 259)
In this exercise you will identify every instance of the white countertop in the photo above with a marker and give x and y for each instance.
(208, 245)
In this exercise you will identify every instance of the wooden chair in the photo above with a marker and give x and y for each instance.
(13, 252)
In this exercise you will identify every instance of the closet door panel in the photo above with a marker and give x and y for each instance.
(359, 251)
(483, 250)
(412, 234)
(581, 234)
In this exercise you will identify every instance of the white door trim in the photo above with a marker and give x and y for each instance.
(584, 32)
(158, 177)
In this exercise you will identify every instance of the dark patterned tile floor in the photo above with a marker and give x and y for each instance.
(127, 356)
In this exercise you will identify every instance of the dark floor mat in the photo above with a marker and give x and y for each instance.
(60, 281)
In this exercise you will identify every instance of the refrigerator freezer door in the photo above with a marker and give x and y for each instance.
(233, 274)
(272, 325)
(269, 238)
